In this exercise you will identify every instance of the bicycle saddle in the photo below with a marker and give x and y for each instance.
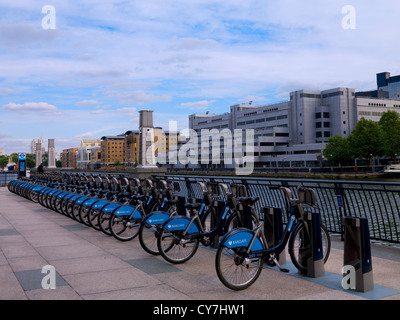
(192, 205)
(249, 200)
(172, 201)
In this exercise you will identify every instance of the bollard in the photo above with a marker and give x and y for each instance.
(357, 252)
(315, 261)
(273, 229)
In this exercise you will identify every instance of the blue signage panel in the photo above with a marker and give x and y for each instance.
(339, 201)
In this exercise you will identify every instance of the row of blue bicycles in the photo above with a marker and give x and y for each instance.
(174, 226)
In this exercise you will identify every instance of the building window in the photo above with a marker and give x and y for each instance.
(318, 115)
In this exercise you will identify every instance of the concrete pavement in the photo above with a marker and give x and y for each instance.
(91, 265)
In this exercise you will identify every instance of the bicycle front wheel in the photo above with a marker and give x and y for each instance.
(234, 270)
(175, 247)
(148, 238)
(124, 227)
(299, 247)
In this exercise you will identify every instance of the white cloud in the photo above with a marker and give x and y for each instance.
(8, 91)
(86, 103)
(30, 107)
(139, 97)
(204, 104)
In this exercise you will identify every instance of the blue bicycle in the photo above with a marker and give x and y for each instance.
(242, 252)
(179, 237)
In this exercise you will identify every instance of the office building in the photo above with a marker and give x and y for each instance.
(294, 133)
(112, 149)
(68, 158)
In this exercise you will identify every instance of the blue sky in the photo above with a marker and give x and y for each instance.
(108, 59)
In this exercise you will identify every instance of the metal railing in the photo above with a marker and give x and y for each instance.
(379, 202)
(6, 177)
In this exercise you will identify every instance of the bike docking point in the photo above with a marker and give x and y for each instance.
(357, 252)
(273, 229)
(314, 252)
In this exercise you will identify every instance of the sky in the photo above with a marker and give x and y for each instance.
(83, 70)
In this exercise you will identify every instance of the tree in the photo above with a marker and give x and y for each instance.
(390, 124)
(337, 151)
(367, 140)
(3, 161)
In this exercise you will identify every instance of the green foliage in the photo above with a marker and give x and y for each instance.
(390, 124)
(337, 151)
(3, 161)
(367, 139)
(117, 163)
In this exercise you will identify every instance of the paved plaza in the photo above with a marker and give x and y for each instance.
(90, 265)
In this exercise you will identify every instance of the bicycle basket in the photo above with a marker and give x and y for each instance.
(239, 190)
(213, 189)
(307, 196)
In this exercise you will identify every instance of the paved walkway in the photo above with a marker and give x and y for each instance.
(91, 265)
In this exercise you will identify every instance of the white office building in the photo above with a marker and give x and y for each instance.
(294, 133)
(86, 156)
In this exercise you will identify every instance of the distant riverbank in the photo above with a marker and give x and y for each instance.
(376, 177)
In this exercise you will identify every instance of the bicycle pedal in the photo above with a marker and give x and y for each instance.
(279, 266)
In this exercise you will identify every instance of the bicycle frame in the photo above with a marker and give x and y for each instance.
(259, 232)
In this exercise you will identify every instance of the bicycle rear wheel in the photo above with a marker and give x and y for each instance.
(234, 270)
(299, 247)
(175, 247)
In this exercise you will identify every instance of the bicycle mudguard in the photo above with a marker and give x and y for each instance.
(100, 204)
(127, 211)
(71, 196)
(89, 202)
(111, 207)
(62, 194)
(37, 189)
(156, 217)
(241, 237)
(180, 223)
(81, 200)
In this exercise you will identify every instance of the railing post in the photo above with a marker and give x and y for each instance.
(340, 197)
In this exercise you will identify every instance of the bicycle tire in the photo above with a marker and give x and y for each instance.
(232, 270)
(148, 234)
(148, 238)
(234, 221)
(93, 218)
(124, 227)
(83, 214)
(172, 249)
(104, 222)
(299, 253)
